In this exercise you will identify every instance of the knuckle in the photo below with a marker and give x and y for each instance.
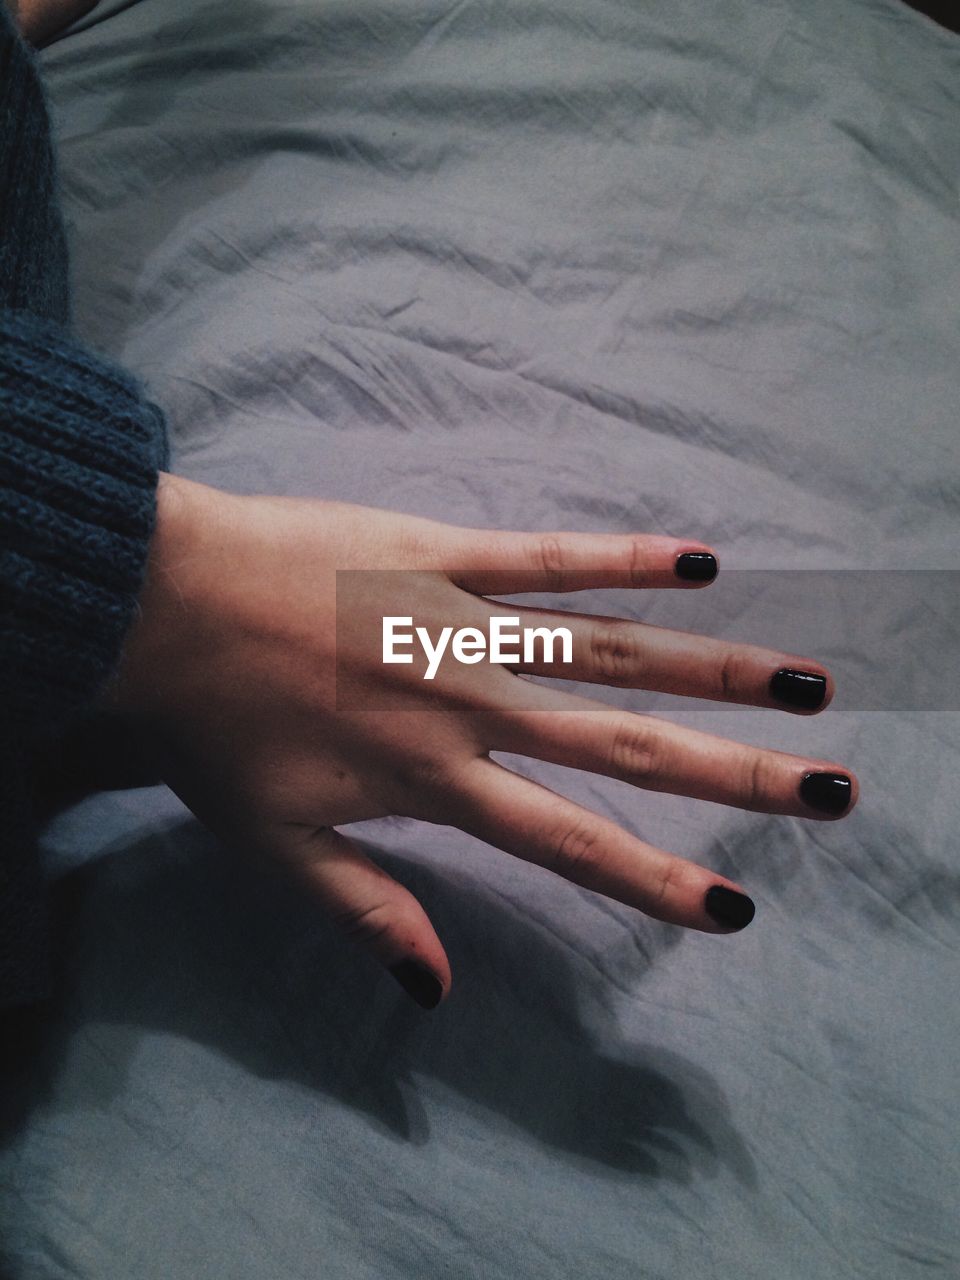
(638, 568)
(615, 651)
(729, 676)
(551, 558)
(667, 879)
(422, 783)
(754, 786)
(574, 852)
(633, 753)
(364, 924)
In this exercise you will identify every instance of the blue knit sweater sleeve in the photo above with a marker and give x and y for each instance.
(79, 454)
(80, 451)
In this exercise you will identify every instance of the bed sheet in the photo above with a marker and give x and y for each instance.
(598, 265)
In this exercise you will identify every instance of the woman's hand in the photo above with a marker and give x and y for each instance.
(275, 718)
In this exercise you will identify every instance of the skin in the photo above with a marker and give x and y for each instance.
(273, 717)
(40, 20)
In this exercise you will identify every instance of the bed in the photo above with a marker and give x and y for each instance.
(612, 265)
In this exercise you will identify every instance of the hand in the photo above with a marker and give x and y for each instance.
(275, 719)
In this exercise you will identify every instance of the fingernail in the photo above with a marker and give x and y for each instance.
(826, 792)
(798, 688)
(419, 983)
(727, 907)
(696, 566)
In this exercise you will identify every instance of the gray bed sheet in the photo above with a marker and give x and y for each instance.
(586, 264)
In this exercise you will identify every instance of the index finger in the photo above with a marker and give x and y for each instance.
(490, 561)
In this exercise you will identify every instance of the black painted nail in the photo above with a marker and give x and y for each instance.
(726, 906)
(826, 792)
(798, 688)
(696, 566)
(419, 983)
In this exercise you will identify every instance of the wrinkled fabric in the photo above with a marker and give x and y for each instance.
(679, 268)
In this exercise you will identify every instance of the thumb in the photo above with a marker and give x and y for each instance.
(374, 910)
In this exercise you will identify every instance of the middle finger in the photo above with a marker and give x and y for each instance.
(636, 655)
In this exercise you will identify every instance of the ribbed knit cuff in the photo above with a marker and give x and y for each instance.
(80, 452)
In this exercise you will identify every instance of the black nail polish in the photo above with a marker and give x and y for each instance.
(826, 792)
(419, 983)
(798, 688)
(696, 566)
(726, 906)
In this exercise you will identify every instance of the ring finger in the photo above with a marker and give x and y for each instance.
(658, 755)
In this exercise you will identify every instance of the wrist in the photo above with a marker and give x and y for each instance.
(158, 640)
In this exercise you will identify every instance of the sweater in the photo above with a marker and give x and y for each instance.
(81, 448)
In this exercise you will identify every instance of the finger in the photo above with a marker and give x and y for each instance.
(371, 908)
(661, 756)
(489, 561)
(636, 655)
(530, 821)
